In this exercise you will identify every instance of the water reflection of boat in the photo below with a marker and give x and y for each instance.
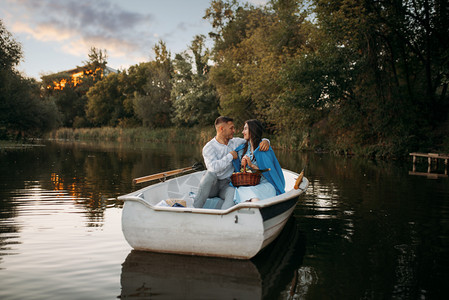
(238, 232)
(147, 275)
(279, 262)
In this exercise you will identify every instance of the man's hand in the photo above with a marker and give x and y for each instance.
(234, 154)
(264, 146)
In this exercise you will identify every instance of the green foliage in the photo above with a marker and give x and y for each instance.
(162, 55)
(22, 111)
(253, 47)
(152, 103)
(70, 104)
(153, 106)
(10, 50)
(194, 99)
(220, 13)
(364, 76)
(150, 110)
(105, 102)
(139, 95)
(350, 76)
(96, 63)
(391, 101)
(71, 99)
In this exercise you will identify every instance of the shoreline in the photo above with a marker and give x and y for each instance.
(292, 142)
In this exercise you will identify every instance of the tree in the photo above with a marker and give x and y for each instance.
(230, 22)
(220, 13)
(152, 104)
(95, 65)
(151, 101)
(71, 98)
(22, 111)
(194, 99)
(253, 45)
(10, 55)
(105, 102)
(10, 49)
(398, 93)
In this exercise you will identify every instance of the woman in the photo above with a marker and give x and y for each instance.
(272, 182)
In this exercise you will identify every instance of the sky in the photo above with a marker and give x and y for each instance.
(56, 35)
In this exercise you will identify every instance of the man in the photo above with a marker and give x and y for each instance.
(218, 154)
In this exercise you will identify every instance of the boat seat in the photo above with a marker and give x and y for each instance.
(214, 203)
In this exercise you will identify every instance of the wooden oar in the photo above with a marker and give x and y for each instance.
(196, 166)
(299, 180)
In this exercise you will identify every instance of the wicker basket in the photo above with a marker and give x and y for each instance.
(245, 179)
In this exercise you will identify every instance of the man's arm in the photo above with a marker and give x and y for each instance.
(213, 163)
(237, 141)
(264, 144)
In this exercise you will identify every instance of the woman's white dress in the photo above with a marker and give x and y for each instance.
(261, 191)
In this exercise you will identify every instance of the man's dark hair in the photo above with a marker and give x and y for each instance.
(223, 119)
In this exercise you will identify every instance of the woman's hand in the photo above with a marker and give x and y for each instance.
(246, 161)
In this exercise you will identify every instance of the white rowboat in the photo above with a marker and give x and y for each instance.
(237, 232)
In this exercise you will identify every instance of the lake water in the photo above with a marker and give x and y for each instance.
(364, 230)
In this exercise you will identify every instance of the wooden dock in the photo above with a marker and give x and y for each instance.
(432, 159)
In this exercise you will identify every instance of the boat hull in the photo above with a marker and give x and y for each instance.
(239, 232)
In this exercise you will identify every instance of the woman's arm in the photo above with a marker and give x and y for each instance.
(247, 161)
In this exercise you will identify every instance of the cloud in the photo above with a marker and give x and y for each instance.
(81, 24)
(258, 2)
(43, 32)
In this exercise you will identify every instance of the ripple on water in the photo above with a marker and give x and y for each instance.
(56, 244)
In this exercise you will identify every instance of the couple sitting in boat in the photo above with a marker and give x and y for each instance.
(225, 154)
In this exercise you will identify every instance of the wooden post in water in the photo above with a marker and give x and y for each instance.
(430, 157)
(445, 166)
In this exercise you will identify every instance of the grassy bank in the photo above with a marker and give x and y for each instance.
(195, 135)
(294, 140)
(176, 135)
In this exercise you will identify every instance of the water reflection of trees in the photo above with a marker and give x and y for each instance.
(93, 173)
(97, 172)
(370, 219)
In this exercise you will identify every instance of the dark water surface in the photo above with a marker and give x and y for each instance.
(364, 230)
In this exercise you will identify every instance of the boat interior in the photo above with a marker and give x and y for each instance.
(183, 189)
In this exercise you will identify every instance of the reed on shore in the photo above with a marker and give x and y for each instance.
(195, 135)
(191, 135)
(293, 140)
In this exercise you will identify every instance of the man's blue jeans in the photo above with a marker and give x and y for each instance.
(211, 186)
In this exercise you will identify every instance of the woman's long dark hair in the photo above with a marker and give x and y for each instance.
(255, 128)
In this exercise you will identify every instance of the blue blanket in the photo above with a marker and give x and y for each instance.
(265, 160)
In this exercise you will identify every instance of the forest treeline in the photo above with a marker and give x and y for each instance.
(364, 77)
